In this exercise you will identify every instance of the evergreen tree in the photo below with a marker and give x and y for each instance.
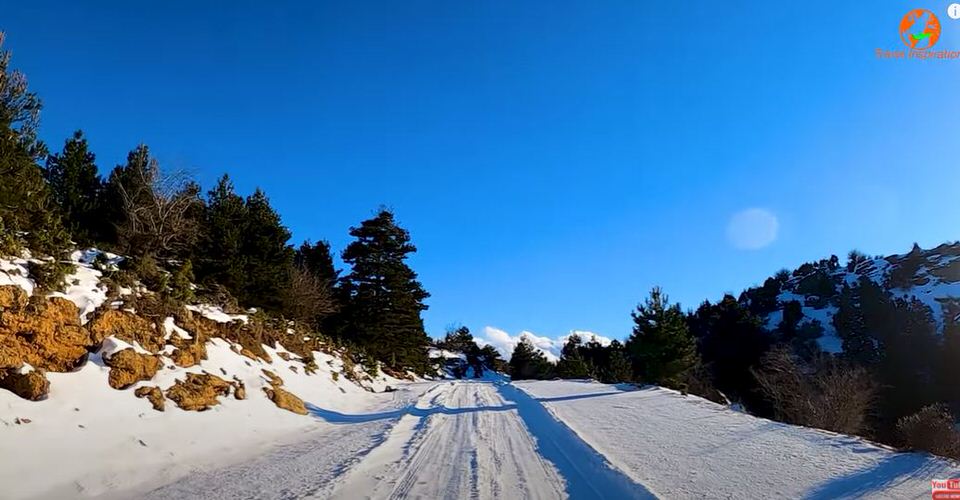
(571, 363)
(618, 368)
(528, 362)
(731, 340)
(76, 187)
(384, 297)
(661, 345)
(128, 185)
(948, 369)
(267, 255)
(221, 259)
(490, 358)
(318, 259)
(858, 345)
(458, 339)
(26, 208)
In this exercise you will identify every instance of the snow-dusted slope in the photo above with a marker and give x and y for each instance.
(86, 439)
(932, 276)
(687, 447)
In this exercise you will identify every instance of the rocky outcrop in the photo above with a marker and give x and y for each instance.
(13, 297)
(273, 378)
(44, 333)
(286, 400)
(199, 391)
(239, 390)
(31, 385)
(153, 394)
(128, 327)
(281, 397)
(188, 353)
(127, 367)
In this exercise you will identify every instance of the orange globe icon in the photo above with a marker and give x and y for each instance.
(920, 29)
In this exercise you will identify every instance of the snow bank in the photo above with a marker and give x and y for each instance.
(687, 447)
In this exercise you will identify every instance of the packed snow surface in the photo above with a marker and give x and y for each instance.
(687, 447)
(448, 439)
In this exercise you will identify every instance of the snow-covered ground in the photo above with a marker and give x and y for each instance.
(686, 447)
(459, 439)
(493, 439)
(87, 439)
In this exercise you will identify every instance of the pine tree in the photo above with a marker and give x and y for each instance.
(26, 209)
(128, 185)
(858, 345)
(76, 188)
(221, 259)
(571, 363)
(528, 362)
(458, 339)
(267, 255)
(618, 368)
(661, 345)
(384, 297)
(318, 259)
(731, 340)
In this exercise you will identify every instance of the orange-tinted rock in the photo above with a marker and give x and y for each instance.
(32, 385)
(153, 394)
(198, 392)
(128, 327)
(286, 400)
(44, 333)
(127, 367)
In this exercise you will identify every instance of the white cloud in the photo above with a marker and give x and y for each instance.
(504, 342)
(752, 229)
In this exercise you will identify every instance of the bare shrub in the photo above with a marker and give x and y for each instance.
(308, 298)
(159, 210)
(697, 381)
(931, 429)
(825, 394)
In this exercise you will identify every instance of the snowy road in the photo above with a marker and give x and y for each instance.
(463, 439)
(561, 439)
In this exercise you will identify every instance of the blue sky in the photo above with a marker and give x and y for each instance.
(552, 160)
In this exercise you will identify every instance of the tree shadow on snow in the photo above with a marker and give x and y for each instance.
(335, 417)
(883, 475)
(573, 397)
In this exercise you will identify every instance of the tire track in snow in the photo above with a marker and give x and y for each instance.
(306, 469)
(587, 473)
(449, 451)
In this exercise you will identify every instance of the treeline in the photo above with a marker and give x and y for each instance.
(895, 380)
(174, 234)
(476, 360)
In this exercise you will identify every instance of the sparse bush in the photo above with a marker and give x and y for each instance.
(8, 240)
(50, 276)
(146, 270)
(931, 429)
(825, 394)
(181, 283)
(699, 382)
(307, 299)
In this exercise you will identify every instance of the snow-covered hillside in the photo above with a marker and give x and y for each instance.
(124, 399)
(932, 276)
